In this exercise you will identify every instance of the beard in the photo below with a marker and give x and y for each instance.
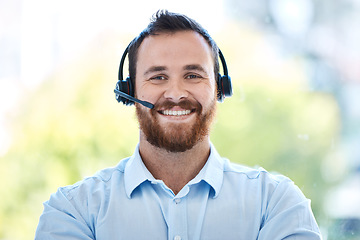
(176, 137)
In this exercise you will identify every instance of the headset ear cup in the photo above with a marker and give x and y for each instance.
(226, 86)
(220, 95)
(125, 86)
(118, 87)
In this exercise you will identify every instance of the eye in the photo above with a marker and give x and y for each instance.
(157, 79)
(193, 76)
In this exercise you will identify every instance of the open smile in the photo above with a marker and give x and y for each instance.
(175, 113)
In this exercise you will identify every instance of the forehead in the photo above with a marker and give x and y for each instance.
(167, 48)
(178, 37)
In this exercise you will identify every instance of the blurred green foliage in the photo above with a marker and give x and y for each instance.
(71, 126)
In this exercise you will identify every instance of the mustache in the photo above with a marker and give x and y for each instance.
(185, 104)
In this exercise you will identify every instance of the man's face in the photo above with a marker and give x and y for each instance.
(175, 72)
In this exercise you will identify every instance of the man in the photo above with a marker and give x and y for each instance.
(176, 186)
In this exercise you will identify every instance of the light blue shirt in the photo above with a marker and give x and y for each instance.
(224, 201)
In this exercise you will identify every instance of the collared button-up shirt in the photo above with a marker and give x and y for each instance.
(224, 201)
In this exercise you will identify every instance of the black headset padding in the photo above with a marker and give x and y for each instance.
(224, 87)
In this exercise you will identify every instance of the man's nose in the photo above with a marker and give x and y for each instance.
(176, 90)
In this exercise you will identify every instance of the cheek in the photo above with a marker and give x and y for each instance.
(208, 93)
(206, 100)
(147, 93)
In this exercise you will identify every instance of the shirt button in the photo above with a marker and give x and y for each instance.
(177, 238)
(177, 200)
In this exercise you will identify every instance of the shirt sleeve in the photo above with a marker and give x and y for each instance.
(288, 215)
(61, 220)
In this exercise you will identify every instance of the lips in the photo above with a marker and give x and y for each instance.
(180, 109)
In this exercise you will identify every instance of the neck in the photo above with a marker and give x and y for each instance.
(175, 169)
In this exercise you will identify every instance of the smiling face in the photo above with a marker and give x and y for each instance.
(175, 71)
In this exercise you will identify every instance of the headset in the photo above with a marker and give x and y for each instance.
(124, 89)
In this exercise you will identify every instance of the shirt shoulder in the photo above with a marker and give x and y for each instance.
(267, 185)
(98, 183)
(255, 173)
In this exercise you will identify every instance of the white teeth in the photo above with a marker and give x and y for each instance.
(176, 113)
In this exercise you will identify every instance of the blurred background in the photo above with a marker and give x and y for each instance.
(295, 68)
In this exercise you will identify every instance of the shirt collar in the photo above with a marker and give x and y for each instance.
(214, 170)
(136, 173)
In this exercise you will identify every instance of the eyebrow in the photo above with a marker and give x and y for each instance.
(197, 67)
(155, 69)
(189, 67)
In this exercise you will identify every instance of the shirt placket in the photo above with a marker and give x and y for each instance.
(178, 219)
